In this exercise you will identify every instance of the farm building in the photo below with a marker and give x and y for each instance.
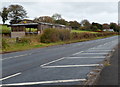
(19, 30)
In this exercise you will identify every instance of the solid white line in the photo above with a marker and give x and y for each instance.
(62, 66)
(94, 53)
(10, 76)
(97, 50)
(52, 61)
(15, 56)
(84, 57)
(44, 82)
(77, 53)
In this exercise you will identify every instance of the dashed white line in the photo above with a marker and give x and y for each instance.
(44, 82)
(62, 66)
(10, 76)
(52, 61)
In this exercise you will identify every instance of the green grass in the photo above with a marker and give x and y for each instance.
(82, 31)
(20, 46)
(5, 29)
(32, 29)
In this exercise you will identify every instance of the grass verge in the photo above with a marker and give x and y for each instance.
(24, 46)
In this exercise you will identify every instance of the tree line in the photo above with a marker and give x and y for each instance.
(17, 13)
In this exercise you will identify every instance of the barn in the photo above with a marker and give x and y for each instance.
(19, 30)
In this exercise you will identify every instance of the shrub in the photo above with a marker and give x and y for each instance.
(4, 43)
(50, 35)
(64, 34)
(54, 35)
(24, 40)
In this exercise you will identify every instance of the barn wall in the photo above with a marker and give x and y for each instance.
(17, 34)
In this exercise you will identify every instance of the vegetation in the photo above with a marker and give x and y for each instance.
(82, 31)
(14, 13)
(54, 35)
(5, 29)
(4, 14)
(30, 42)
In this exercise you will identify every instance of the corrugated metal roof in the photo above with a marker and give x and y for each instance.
(37, 24)
(24, 24)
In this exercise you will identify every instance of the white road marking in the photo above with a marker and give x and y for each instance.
(77, 53)
(98, 50)
(10, 76)
(52, 61)
(16, 56)
(84, 57)
(62, 66)
(44, 82)
(94, 53)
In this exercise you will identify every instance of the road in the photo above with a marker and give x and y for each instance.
(109, 75)
(56, 65)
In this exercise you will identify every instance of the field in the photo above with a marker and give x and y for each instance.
(83, 31)
(5, 29)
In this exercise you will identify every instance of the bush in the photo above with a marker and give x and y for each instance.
(50, 35)
(24, 40)
(64, 34)
(54, 35)
(4, 43)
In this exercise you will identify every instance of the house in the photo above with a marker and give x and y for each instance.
(19, 30)
(112, 30)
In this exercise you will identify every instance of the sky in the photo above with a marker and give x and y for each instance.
(100, 12)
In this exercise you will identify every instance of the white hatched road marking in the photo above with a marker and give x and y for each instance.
(89, 65)
(77, 53)
(52, 61)
(44, 82)
(10, 76)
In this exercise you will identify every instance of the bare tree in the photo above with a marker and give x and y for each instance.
(56, 16)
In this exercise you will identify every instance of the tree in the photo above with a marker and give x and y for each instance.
(105, 26)
(61, 21)
(74, 24)
(16, 13)
(57, 16)
(99, 26)
(86, 24)
(114, 26)
(44, 19)
(4, 14)
(94, 28)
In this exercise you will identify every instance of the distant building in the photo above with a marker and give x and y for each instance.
(19, 30)
(109, 30)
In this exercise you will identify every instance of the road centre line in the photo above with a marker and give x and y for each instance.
(84, 57)
(10, 76)
(44, 82)
(52, 62)
(63, 66)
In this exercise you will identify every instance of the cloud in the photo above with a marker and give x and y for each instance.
(102, 12)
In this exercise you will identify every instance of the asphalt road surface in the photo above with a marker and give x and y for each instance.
(109, 75)
(56, 65)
